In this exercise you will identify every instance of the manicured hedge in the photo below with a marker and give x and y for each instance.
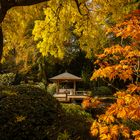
(77, 122)
(29, 113)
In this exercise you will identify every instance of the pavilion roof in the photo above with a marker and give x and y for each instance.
(66, 76)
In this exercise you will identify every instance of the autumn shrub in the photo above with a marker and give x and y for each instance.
(121, 119)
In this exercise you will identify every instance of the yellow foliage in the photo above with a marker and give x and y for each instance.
(105, 137)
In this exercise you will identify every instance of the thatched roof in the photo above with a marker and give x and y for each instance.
(66, 76)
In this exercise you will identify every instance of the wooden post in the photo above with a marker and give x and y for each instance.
(66, 92)
(57, 87)
(74, 86)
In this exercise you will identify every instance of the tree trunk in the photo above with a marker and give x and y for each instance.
(1, 46)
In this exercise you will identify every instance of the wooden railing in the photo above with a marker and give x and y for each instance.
(66, 96)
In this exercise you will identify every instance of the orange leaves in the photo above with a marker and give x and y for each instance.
(113, 109)
(91, 102)
(105, 137)
(117, 49)
(129, 28)
(104, 73)
(121, 62)
(122, 113)
(109, 132)
(120, 101)
(125, 131)
(126, 107)
(107, 118)
(86, 103)
(136, 134)
(133, 88)
(94, 128)
(117, 61)
(124, 72)
(114, 131)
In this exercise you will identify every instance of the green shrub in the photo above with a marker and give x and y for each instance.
(40, 85)
(102, 91)
(76, 122)
(29, 114)
(63, 136)
(51, 88)
(73, 109)
(7, 79)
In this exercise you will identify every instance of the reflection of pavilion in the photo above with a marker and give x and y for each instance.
(67, 93)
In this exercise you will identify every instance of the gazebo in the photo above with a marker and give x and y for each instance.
(66, 77)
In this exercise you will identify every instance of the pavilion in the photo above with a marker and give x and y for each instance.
(66, 77)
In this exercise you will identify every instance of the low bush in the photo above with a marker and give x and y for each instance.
(73, 109)
(7, 79)
(76, 122)
(28, 112)
(102, 91)
(51, 88)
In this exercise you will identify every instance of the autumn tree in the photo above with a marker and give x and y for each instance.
(121, 120)
(5, 5)
(19, 45)
(64, 24)
(83, 7)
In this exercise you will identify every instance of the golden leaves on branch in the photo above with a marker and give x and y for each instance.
(125, 131)
(129, 28)
(107, 118)
(91, 102)
(136, 134)
(109, 132)
(94, 128)
(122, 71)
(117, 61)
(121, 62)
(126, 107)
(133, 88)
